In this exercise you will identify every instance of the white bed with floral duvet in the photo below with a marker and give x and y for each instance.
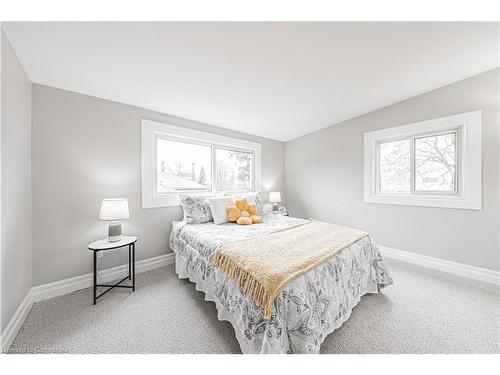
(307, 309)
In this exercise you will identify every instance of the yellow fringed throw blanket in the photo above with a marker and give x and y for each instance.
(264, 264)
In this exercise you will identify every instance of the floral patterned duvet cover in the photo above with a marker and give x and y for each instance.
(306, 311)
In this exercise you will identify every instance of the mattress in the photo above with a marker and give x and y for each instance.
(307, 309)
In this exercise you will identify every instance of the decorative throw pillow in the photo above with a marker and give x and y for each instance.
(242, 213)
(233, 214)
(196, 209)
(218, 208)
(253, 198)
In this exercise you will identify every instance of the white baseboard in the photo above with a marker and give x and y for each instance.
(460, 269)
(61, 287)
(17, 320)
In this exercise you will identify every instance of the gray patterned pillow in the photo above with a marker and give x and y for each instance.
(258, 202)
(196, 209)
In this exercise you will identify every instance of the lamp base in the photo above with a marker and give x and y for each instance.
(275, 207)
(114, 231)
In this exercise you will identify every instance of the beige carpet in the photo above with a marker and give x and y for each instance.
(423, 312)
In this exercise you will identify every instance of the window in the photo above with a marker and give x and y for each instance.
(394, 166)
(436, 162)
(182, 166)
(433, 163)
(432, 158)
(233, 170)
(177, 160)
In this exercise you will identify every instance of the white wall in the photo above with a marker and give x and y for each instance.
(16, 233)
(324, 178)
(84, 149)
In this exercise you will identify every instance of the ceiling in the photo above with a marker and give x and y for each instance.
(276, 80)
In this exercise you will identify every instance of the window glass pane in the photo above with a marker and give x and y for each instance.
(395, 166)
(435, 163)
(182, 166)
(233, 170)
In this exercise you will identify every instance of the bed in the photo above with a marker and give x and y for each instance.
(306, 310)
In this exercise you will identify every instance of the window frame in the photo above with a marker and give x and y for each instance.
(467, 194)
(173, 138)
(214, 159)
(152, 131)
(412, 183)
(413, 180)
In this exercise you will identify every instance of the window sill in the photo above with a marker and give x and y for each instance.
(458, 202)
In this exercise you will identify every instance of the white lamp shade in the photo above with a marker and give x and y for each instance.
(274, 197)
(114, 209)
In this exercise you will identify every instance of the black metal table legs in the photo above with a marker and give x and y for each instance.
(130, 276)
(133, 267)
(95, 277)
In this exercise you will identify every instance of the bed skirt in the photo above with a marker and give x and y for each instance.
(307, 310)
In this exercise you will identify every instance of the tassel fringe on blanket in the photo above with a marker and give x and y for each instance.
(264, 264)
(250, 285)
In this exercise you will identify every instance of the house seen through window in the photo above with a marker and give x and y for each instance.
(184, 166)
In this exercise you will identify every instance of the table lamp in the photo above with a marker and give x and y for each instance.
(275, 198)
(114, 210)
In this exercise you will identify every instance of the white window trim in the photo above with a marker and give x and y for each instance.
(152, 130)
(468, 195)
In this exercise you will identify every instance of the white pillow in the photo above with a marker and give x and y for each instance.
(218, 207)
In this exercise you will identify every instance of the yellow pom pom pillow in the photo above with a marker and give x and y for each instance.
(233, 213)
(244, 220)
(253, 199)
(242, 213)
